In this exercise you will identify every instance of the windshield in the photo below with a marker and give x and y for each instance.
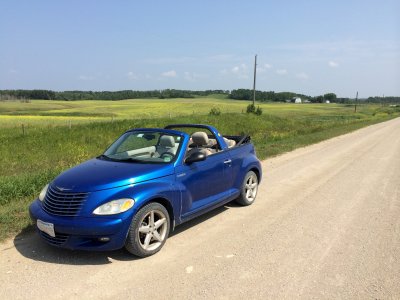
(144, 147)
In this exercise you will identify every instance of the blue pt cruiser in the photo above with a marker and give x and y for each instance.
(147, 182)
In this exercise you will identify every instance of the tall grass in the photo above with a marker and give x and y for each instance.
(29, 161)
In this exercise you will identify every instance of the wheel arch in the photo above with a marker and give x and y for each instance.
(168, 206)
(257, 171)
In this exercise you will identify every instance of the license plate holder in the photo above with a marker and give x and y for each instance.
(46, 227)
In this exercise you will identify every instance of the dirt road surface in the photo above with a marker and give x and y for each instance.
(325, 225)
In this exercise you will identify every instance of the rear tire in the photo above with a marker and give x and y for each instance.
(249, 189)
(148, 231)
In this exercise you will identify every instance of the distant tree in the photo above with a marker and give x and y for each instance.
(247, 94)
(342, 100)
(330, 97)
(318, 99)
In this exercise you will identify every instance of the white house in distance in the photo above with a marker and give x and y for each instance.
(296, 100)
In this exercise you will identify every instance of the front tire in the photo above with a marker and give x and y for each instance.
(149, 230)
(249, 189)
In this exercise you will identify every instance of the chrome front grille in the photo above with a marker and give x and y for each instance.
(62, 203)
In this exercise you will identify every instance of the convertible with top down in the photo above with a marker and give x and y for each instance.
(145, 184)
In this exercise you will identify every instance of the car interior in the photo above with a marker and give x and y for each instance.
(201, 142)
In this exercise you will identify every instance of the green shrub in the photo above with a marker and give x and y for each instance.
(251, 109)
(215, 111)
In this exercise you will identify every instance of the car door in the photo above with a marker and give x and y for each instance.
(204, 183)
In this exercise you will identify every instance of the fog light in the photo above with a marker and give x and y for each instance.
(104, 239)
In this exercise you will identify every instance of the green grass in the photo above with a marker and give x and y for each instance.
(49, 146)
(54, 113)
(60, 112)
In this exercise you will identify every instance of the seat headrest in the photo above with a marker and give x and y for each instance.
(200, 138)
(167, 141)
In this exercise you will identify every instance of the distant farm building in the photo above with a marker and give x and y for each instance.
(296, 100)
(327, 101)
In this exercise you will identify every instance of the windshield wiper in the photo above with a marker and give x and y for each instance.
(103, 156)
(130, 159)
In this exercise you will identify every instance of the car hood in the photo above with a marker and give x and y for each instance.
(97, 174)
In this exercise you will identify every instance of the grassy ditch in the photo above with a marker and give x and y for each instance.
(30, 160)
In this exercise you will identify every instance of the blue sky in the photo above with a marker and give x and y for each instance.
(309, 47)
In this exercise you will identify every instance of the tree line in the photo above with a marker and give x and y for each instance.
(237, 94)
(103, 95)
(247, 94)
(385, 100)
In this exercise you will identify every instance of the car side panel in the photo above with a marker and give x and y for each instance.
(243, 159)
(203, 183)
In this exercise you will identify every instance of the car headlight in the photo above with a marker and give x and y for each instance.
(43, 193)
(114, 207)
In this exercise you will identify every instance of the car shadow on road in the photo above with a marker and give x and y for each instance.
(30, 245)
(196, 221)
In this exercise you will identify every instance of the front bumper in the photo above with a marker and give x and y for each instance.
(83, 233)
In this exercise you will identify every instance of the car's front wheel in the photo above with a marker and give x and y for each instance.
(148, 231)
(249, 189)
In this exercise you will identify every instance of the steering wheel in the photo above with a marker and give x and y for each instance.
(167, 154)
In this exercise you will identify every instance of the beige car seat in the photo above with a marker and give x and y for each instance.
(200, 142)
(167, 144)
(229, 143)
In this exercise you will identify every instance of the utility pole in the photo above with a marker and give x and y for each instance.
(254, 83)
(355, 104)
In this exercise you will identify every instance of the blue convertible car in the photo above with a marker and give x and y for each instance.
(147, 182)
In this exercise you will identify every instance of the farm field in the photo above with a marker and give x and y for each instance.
(61, 134)
(45, 112)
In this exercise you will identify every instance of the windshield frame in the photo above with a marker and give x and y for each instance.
(132, 159)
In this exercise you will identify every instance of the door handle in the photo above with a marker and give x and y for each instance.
(227, 161)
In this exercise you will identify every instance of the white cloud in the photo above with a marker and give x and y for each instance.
(281, 72)
(169, 74)
(86, 77)
(132, 76)
(333, 64)
(241, 71)
(263, 68)
(235, 70)
(302, 76)
(13, 71)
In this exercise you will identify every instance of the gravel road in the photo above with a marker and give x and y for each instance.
(325, 225)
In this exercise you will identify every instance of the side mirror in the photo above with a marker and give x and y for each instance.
(194, 157)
